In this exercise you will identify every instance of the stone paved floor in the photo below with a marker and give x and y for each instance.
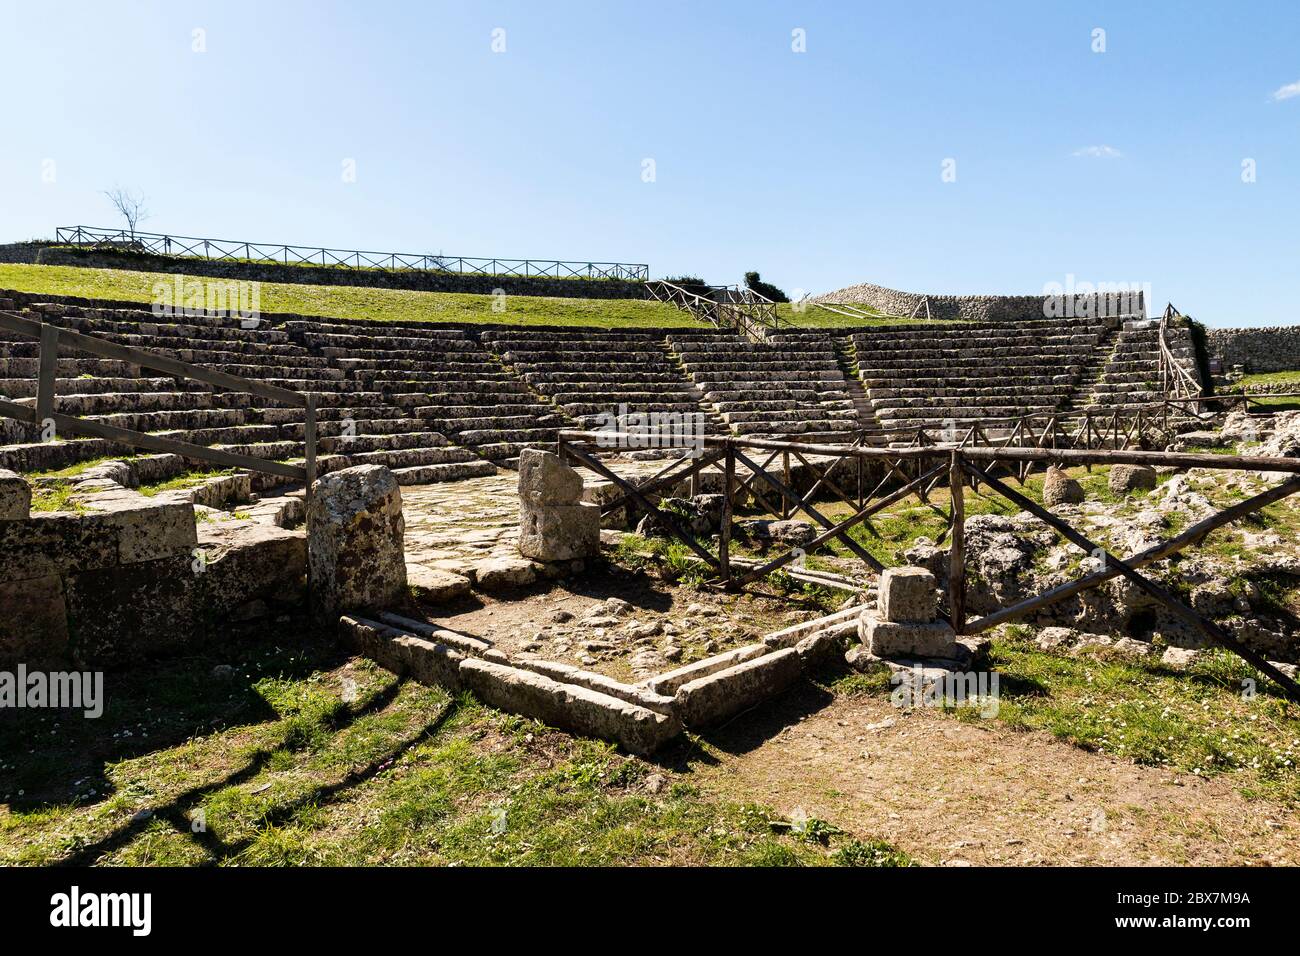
(453, 524)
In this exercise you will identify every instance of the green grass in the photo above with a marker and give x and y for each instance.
(358, 302)
(55, 498)
(397, 305)
(187, 480)
(1197, 722)
(300, 756)
(1268, 378)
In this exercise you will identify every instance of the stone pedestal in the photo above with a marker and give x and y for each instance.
(554, 523)
(355, 542)
(905, 623)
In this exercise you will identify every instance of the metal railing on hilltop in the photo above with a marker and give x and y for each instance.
(230, 250)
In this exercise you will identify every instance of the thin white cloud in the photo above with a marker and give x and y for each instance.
(1286, 92)
(1099, 152)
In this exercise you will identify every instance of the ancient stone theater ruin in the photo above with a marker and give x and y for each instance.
(633, 531)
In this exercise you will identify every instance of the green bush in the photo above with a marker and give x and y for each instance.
(755, 282)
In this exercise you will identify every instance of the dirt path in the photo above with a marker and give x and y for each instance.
(956, 793)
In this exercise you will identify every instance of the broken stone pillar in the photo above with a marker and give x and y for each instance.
(554, 524)
(355, 542)
(906, 620)
(15, 496)
(1060, 489)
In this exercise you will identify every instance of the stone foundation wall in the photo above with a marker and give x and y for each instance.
(1275, 349)
(414, 280)
(131, 577)
(974, 308)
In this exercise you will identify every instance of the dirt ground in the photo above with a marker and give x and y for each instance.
(957, 793)
(618, 622)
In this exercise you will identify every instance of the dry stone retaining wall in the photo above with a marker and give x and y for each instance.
(1274, 349)
(969, 308)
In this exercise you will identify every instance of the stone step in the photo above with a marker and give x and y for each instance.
(429, 474)
(521, 436)
(361, 442)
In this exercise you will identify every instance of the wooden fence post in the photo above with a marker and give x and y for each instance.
(48, 372)
(724, 533)
(957, 550)
(309, 437)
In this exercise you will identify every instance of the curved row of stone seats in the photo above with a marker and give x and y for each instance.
(595, 375)
(789, 385)
(444, 376)
(953, 375)
(357, 423)
(1132, 374)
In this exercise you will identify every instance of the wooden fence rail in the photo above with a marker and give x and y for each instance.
(53, 338)
(913, 471)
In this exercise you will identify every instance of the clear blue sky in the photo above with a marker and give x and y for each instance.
(820, 168)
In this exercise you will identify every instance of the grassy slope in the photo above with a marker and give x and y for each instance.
(393, 305)
(357, 302)
(301, 756)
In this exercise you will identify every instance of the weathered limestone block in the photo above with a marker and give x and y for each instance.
(504, 573)
(545, 480)
(240, 563)
(15, 496)
(434, 585)
(152, 531)
(1060, 489)
(558, 532)
(601, 493)
(670, 681)
(34, 624)
(568, 674)
(355, 541)
(428, 661)
(121, 614)
(715, 697)
(464, 643)
(636, 729)
(907, 639)
(907, 594)
(553, 523)
(1126, 478)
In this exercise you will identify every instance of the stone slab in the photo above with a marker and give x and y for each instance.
(668, 682)
(717, 696)
(635, 729)
(907, 639)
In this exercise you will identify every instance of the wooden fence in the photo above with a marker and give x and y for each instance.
(53, 338)
(917, 470)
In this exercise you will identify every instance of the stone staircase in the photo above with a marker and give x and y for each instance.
(1131, 375)
(358, 420)
(872, 434)
(949, 377)
(594, 374)
(444, 377)
(789, 385)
